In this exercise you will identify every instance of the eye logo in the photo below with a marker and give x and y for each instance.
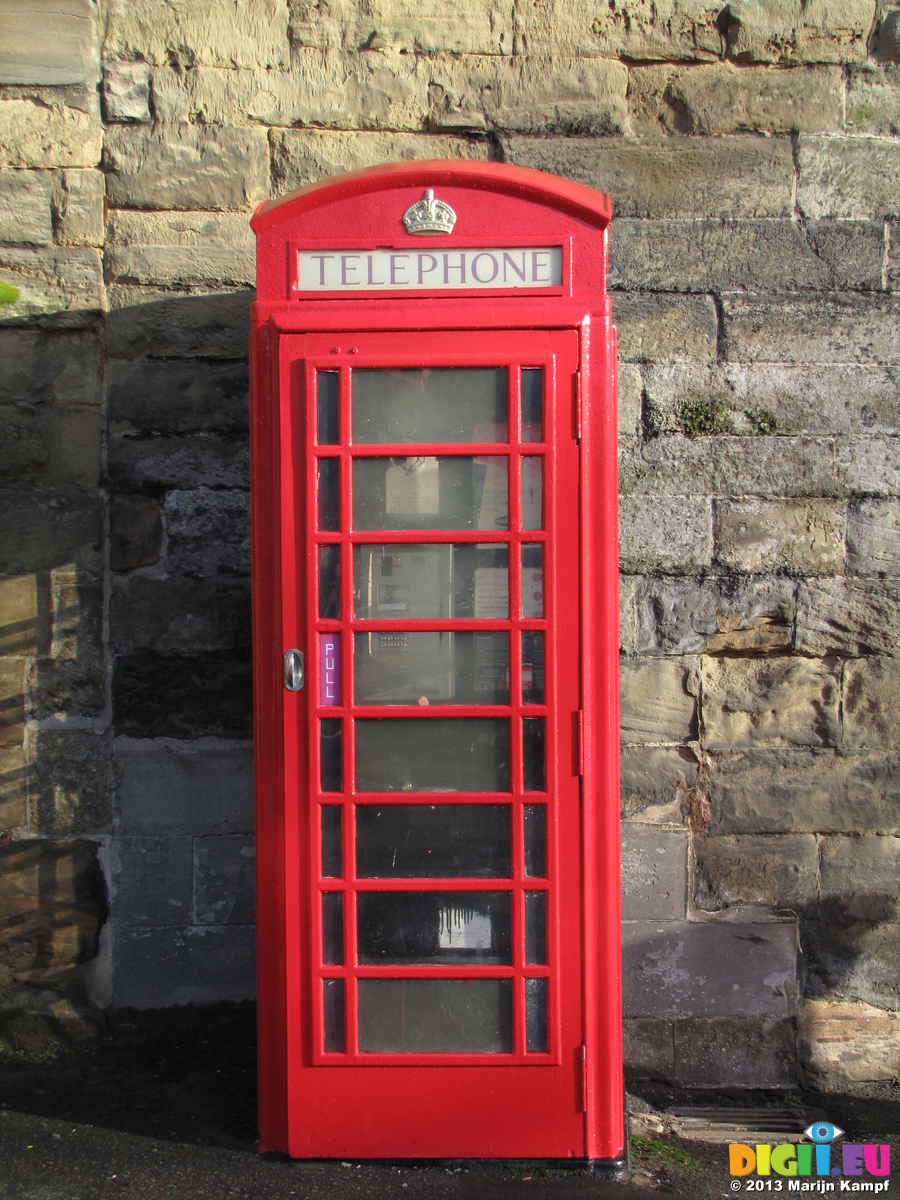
(822, 1132)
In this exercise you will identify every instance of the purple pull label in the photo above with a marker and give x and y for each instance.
(329, 669)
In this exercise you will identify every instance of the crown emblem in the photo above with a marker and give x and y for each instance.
(429, 216)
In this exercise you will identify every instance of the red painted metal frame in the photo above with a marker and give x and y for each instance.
(303, 1107)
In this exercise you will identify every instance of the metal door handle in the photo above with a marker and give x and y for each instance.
(293, 670)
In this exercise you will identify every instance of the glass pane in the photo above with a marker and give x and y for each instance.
(331, 754)
(534, 775)
(434, 927)
(430, 405)
(428, 841)
(330, 582)
(328, 493)
(332, 927)
(532, 667)
(535, 828)
(332, 842)
(535, 927)
(327, 408)
(435, 1015)
(532, 581)
(532, 385)
(426, 581)
(431, 668)
(532, 492)
(452, 754)
(428, 492)
(329, 669)
(536, 1015)
(333, 1014)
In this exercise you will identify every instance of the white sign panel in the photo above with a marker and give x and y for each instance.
(428, 270)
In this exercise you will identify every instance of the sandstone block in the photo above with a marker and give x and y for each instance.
(147, 321)
(769, 701)
(69, 676)
(125, 92)
(159, 694)
(709, 968)
(873, 537)
(63, 285)
(159, 967)
(135, 531)
(36, 134)
(853, 962)
(50, 445)
(675, 539)
(654, 873)
(177, 397)
(656, 781)
(23, 625)
(12, 699)
(672, 29)
(803, 791)
(858, 878)
(13, 789)
(71, 789)
(735, 1052)
(886, 46)
(852, 250)
(60, 368)
(224, 880)
(44, 529)
(653, 327)
(867, 465)
(871, 704)
(78, 212)
(847, 616)
(248, 33)
(302, 156)
(208, 533)
(837, 329)
(177, 614)
(192, 788)
(192, 460)
(627, 586)
(806, 536)
(427, 26)
(733, 256)
(151, 881)
(182, 249)
(716, 614)
(185, 167)
(777, 872)
(844, 1042)
(48, 41)
(25, 207)
(629, 399)
(719, 99)
(797, 32)
(848, 177)
(658, 699)
(649, 1048)
(725, 176)
(873, 101)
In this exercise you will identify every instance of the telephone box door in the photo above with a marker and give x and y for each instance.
(430, 519)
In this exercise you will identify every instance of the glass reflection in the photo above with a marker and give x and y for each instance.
(453, 404)
(395, 582)
(429, 841)
(435, 1016)
(430, 492)
(450, 754)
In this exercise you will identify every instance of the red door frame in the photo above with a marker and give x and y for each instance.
(282, 923)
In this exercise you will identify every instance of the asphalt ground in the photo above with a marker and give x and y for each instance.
(164, 1105)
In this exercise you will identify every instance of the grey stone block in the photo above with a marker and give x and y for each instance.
(675, 538)
(152, 881)
(820, 329)
(627, 589)
(649, 1048)
(160, 967)
(847, 616)
(716, 613)
(687, 177)
(25, 206)
(858, 878)
(654, 326)
(848, 177)
(178, 614)
(224, 879)
(183, 788)
(775, 701)
(195, 460)
(778, 872)
(150, 321)
(735, 1053)
(159, 694)
(873, 100)
(795, 535)
(867, 466)
(654, 873)
(48, 41)
(804, 791)
(857, 961)
(50, 444)
(44, 528)
(871, 704)
(873, 537)
(69, 794)
(185, 166)
(658, 699)
(177, 397)
(655, 781)
(710, 969)
(208, 533)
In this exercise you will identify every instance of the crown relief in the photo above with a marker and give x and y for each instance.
(429, 216)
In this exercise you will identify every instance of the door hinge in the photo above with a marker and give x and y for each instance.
(584, 1089)
(579, 741)
(578, 405)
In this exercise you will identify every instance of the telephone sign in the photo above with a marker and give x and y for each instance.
(436, 645)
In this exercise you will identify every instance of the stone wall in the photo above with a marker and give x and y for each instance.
(753, 154)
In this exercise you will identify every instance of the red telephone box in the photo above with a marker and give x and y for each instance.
(436, 668)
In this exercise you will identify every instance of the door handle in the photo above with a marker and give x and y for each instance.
(294, 677)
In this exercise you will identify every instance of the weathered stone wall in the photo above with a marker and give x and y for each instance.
(753, 154)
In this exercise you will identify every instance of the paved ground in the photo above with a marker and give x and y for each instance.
(163, 1105)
